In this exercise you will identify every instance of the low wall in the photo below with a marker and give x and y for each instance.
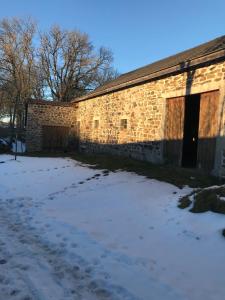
(43, 113)
(142, 151)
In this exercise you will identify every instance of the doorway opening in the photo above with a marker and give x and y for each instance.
(191, 125)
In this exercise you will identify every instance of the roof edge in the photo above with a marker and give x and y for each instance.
(182, 67)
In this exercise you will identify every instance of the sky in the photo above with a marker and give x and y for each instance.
(137, 31)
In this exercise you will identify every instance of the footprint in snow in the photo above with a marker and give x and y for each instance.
(27, 298)
(62, 244)
(170, 220)
(93, 285)
(24, 267)
(2, 243)
(88, 270)
(96, 261)
(106, 275)
(4, 280)
(74, 245)
(97, 175)
(104, 255)
(14, 292)
(23, 240)
(3, 261)
(103, 293)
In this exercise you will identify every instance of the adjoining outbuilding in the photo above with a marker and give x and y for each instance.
(171, 111)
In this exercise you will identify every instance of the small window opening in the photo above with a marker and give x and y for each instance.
(123, 123)
(96, 124)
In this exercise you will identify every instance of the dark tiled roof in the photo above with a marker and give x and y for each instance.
(179, 59)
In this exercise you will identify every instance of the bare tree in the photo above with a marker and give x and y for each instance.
(70, 65)
(19, 74)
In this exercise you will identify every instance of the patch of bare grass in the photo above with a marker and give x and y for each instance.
(167, 173)
(210, 199)
(184, 202)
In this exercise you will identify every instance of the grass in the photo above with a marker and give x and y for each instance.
(184, 202)
(174, 175)
(209, 200)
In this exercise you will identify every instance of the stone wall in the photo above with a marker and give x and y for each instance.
(40, 114)
(142, 106)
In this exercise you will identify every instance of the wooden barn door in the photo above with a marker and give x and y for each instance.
(54, 138)
(208, 129)
(174, 130)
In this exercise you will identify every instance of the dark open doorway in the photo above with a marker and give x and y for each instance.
(191, 124)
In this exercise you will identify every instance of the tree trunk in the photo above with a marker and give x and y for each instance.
(14, 119)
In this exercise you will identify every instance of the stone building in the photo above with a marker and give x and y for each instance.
(171, 111)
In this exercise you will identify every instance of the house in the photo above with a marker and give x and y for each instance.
(171, 111)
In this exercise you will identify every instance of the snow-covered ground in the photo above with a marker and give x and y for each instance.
(71, 232)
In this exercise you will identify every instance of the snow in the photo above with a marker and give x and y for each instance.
(3, 142)
(18, 147)
(72, 232)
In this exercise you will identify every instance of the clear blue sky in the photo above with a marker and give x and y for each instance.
(137, 31)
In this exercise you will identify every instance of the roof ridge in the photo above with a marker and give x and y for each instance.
(190, 54)
(173, 55)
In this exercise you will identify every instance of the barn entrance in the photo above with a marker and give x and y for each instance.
(55, 138)
(190, 137)
(191, 129)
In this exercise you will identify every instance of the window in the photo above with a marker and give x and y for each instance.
(78, 126)
(123, 123)
(96, 124)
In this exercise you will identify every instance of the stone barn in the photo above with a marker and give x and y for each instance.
(171, 111)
